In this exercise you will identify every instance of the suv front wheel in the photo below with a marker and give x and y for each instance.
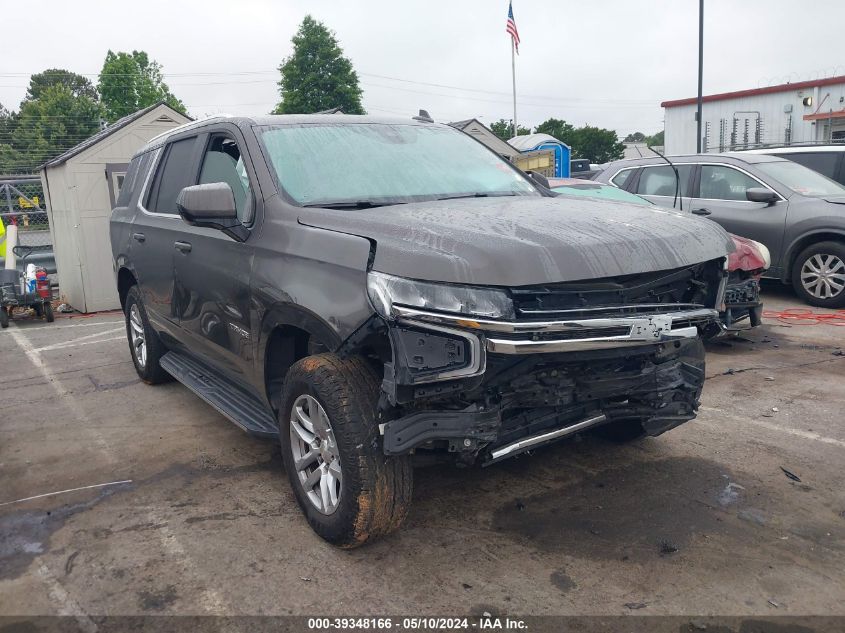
(818, 275)
(348, 489)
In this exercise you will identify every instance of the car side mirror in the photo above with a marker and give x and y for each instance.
(539, 179)
(211, 205)
(760, 194)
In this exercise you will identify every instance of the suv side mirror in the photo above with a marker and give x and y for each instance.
(211, 205)
(539, 179)
(759, 194)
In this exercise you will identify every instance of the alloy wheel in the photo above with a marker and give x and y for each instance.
(823, 276)
(315, 454)
(139, 342)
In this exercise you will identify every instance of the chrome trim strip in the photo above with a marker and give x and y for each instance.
(636, 306)
(542, 438)
(499, 346)
(562, 325)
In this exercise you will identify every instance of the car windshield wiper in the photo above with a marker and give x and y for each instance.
(478, 194)
(351, 204)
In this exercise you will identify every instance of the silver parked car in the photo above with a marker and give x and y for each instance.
(796, 212)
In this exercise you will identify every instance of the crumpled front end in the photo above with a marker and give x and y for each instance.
(746, 266)
(486, 373)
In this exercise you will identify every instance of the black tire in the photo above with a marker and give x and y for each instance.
(48, 312)
(150, 372)
(4, 318)
(621, 431)
(805, 257)
(375, 490)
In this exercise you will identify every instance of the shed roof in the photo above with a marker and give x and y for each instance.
(105, 133)
(528, 142)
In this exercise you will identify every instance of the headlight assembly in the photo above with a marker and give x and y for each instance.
(385, 291)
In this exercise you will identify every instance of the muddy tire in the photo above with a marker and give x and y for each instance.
(348, 489)
(818, 275)
(621, 431)
(145, 347)
(4, 318)
(48, 312)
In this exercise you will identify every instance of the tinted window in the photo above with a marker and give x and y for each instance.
(661, 181)
(822, 162)
(800, 179)
(724, 183)
(223, 162)
(622, 177)
(127, 183)
(173, 175)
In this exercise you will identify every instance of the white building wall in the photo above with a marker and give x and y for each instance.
(680, 125)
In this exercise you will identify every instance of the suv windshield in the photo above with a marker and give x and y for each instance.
(367, 164)
(801, 179)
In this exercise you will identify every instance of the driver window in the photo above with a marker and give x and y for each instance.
(223, 162)
(724, 183)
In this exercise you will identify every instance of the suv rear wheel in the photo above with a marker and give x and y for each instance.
(144, 345)
(349, 491)
(818, 275)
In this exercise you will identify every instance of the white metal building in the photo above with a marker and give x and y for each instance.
(80, 188)
(801, 112)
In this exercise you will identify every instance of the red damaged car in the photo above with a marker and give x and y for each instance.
(745, 265)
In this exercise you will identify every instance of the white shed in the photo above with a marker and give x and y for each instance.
(80, 189)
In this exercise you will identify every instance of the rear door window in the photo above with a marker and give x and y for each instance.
(173, 175)
(823, 162)
(660, 181)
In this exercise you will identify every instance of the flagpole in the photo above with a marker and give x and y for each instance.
(513, 72)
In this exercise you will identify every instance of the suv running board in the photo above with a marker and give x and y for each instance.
(240, 407)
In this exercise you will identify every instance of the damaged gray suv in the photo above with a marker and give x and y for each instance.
(370, 291)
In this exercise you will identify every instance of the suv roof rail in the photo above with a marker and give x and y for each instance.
(184, 126)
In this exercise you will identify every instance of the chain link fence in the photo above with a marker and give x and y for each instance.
(22, 203)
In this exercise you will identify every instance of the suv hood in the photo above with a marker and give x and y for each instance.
(517, 241)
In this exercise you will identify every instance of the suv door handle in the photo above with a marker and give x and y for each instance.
(184, 247)
(139, 237)
(701, 212)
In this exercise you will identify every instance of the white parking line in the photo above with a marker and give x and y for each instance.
(807, 435)
(77, 341)
(66, 605)
(64, 327)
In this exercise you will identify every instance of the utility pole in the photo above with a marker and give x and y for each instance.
(700, 74)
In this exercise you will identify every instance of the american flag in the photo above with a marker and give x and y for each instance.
(511, 27)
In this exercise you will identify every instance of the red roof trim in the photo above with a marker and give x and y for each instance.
(800, 85)
(824, 115)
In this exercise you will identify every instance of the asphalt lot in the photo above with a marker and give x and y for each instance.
(702, 520)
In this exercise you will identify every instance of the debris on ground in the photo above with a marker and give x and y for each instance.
(304, 579)
(770, 377)
(667, 548)
(519, 505)
(775, 409)
(791, 475)
(773, 603)
(839, 352)
(64, 307)
(635, 605)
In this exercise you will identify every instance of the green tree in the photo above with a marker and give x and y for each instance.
(47, 126)
(656, 140)
(636, 137)
(560, 129)
(597, 144)
(131, 81)
(78, 85)
(317, 76)
(503, 128)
